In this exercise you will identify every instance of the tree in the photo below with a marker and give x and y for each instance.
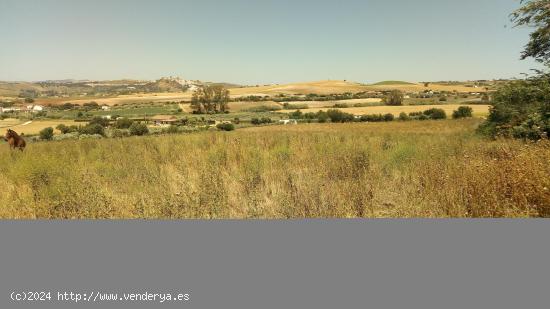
(210, 99)
(463, 112)
(138, 129)
(100, 120)
(92, 129)
(435, 113)
(395, 97)
(123, 123)
(521, 108)
(63, 128)
(46, 133)
(536, 14)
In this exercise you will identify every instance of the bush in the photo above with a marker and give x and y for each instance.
(394, 98)
(138, 129)
(92, 129)
(520, 109)
(296, 115)
(226, 127)
(117, 133)
(123, 123)
(435, 113)
(388, 117)
(463, 112)
(100, 121)
(257, 121)
(46, 134)
(172, 129)
(63, 128)
(443, 99)
(404, 117)
(322, 116)
(295, 106)
(336, 115)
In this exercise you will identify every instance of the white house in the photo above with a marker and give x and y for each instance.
(288, 121)
(38, 108)
(105, 107)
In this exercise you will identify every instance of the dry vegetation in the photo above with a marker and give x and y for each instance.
(34, 127)
(478, 110)
(398, 169)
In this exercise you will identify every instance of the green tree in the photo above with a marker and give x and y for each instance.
(46, 134)
(63, 128)
(462, 112)
(138, 129)
(210, 99)
(123, 123)
(535, 14)
(394, 98)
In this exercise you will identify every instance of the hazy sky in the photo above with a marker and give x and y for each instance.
(254, 41)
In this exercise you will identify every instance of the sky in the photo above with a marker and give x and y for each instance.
(261, 42)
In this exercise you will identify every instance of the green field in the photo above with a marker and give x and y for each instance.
(397, 169)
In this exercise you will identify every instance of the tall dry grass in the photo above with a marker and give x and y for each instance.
(399, 169)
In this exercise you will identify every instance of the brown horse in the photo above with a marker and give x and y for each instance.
(15, 140)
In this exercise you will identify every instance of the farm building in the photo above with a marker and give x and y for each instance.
(105, 107)
(164, 120)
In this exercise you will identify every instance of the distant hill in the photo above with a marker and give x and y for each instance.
(318, 87)
(392, 82)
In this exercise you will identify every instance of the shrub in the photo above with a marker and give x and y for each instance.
(520, 109)
(388, 117)
(336, 115)
(463, 112)
(296, 115)
(236, 120)
(255, 121)
(123, 123)
(404, 117)
(100, 121)
(117, 133)
(226, 127)
(395, 97)
(443, 99)
(138, 129)
(63, 128)
(29, 100)
(322, 116)
(435, 113)
(172, 129)
(92, 129)
(372, 118)
(46, 134)
(295, 106)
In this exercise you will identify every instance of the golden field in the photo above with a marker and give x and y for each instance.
(398, 169)
(325, 87)
(478, 110)
(33, 127)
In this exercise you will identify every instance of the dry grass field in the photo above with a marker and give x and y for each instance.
(397, 169)
(318, 87)
(121, 99)
(338, 86)
(33, 127)
(478, 110)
